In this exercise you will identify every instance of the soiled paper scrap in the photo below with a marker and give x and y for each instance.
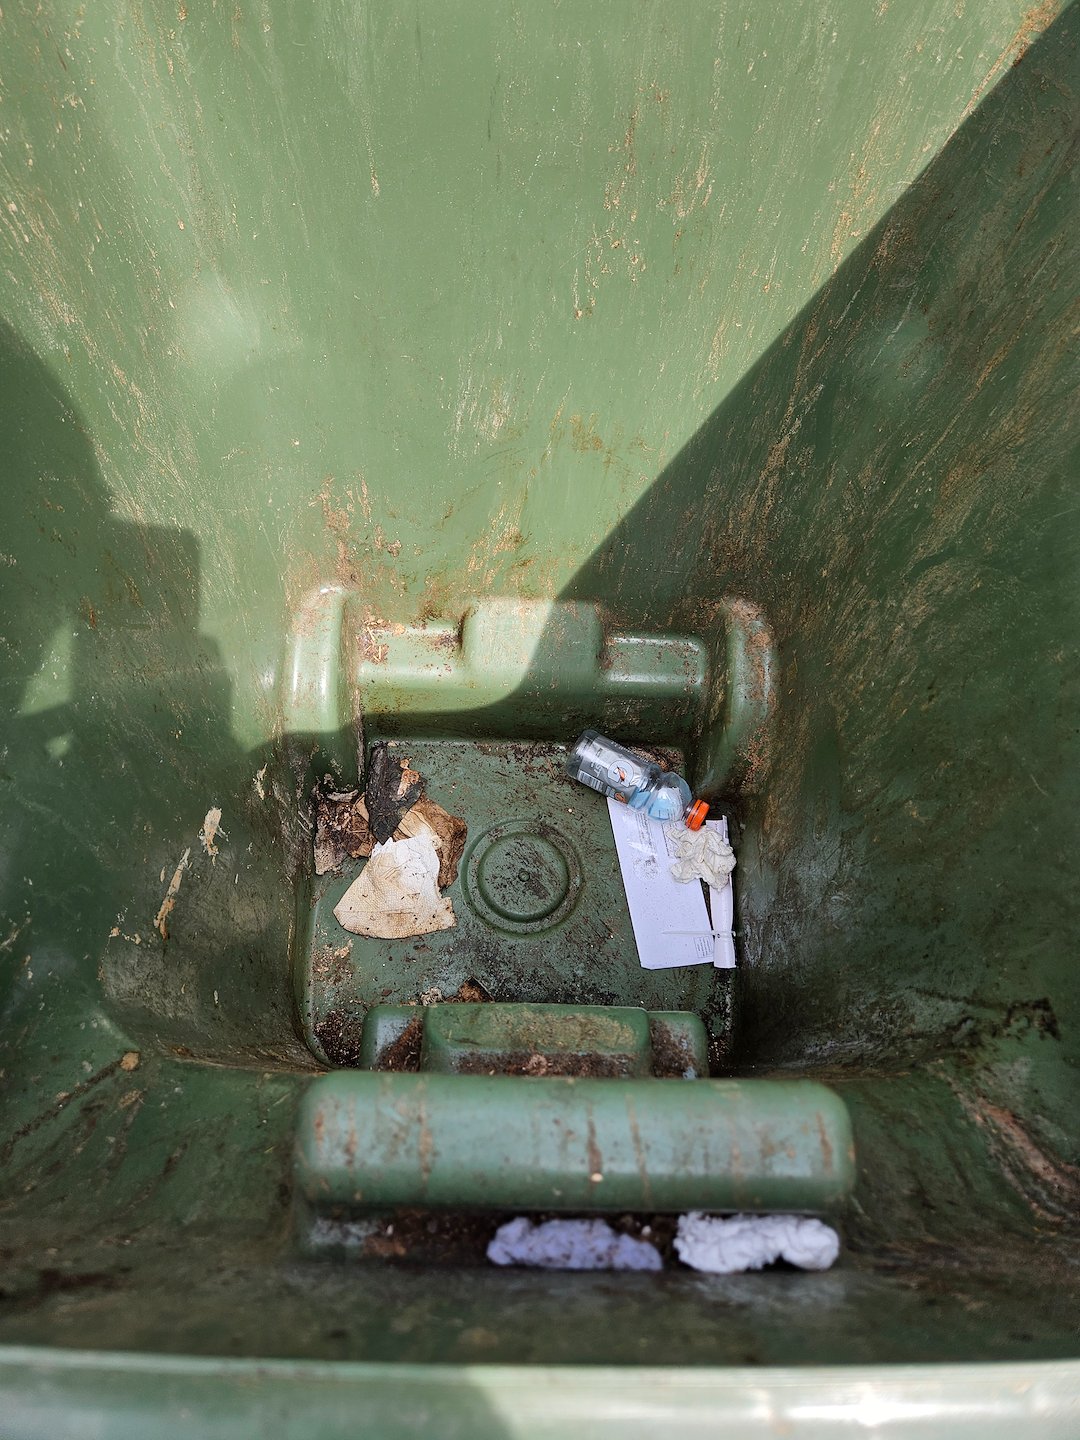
(397, 893)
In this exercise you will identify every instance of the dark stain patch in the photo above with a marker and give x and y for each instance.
(1021, 1020)
(1036, 1016)
(57, 1108)
(425, 1237)
(338, 1034)
(52, 1281)
(26, 1287)
(172, 1161)
(404, 1052)
(392, 789)
(525, 1062)
(672, 1055)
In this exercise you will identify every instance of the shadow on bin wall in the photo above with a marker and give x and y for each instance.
(118, 725)
(893, 483)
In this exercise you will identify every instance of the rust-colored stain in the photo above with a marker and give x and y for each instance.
(826, 1143)
(639, 1153)
(1049, 1185)
(595, 1158)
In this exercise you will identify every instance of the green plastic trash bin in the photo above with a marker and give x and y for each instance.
(453, 377)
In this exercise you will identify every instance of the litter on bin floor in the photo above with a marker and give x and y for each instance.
(414, 845)
(397, 893)
(570, 1245)
(712, 1244)
(722, 905)
(391, 789)
(343, 831)
(658, 904)
(750, 1242)
(702, 855)
(341, 827)
(447, 832)
(671, 921)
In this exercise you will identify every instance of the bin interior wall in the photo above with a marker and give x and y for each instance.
(435, 303)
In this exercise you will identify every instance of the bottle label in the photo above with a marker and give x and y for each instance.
(609, 770)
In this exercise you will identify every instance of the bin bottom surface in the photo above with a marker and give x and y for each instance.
(539, 904)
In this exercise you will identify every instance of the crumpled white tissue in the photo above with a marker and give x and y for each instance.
(749, 1242)
(702, 855)
(570, 1245)
(397, 893)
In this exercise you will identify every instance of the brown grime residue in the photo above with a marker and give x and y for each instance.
(826, 1143)
(616, 188)
(63, 1099)
(330, 964)
(425, 1146)
(1033, 22)
(403, 1054)
(535, 1065)
(853, 218)
(371, 650)
(595, 1157)
(692, 189)
(639, 1153)
(673, 1056)
(583, 436)
(338, 515)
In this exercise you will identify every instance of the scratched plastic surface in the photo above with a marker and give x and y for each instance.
(467, 375)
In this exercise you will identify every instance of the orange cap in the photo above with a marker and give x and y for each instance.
(695, 816)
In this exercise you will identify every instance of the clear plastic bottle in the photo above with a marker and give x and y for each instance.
(641, 784)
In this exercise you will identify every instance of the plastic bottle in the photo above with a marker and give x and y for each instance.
(641, 784)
